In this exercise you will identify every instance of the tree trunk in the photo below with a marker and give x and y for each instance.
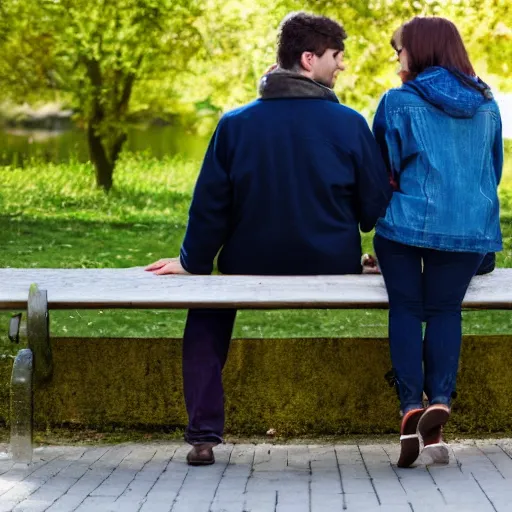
(103, 166)
(104, 151)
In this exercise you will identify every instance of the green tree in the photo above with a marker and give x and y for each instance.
(93, 53)
(486, 27)
(239, 39)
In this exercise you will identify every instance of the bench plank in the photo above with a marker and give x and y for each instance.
(135, 288)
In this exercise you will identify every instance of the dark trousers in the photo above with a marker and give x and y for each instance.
(205, 348)
(432, 294)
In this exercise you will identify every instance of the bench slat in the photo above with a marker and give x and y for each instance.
(135, 288)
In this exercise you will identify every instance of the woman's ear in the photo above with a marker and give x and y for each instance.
(306, 61)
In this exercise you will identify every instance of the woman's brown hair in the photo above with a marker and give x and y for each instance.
(432, 41)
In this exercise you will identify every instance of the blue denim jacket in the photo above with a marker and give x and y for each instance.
(440, 135)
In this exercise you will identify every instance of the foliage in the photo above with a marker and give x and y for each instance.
(239, 44)
(486, 27)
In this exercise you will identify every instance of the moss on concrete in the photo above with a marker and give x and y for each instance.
(484, 401)
(5, 379)
(113, 381)
(300, 387)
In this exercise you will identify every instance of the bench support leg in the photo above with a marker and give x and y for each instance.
(32, 365)
(38, 334)
(22, 409)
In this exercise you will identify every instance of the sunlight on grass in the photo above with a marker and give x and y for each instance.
(146, 189)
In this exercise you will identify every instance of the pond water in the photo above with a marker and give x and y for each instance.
(17, 147)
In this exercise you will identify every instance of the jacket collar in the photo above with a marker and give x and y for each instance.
(282, 83)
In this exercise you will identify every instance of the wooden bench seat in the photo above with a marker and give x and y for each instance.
(135, 288)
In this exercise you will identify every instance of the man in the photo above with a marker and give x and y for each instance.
(286, 183)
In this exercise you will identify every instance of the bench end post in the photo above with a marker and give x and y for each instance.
(38, 334)
(22, 408)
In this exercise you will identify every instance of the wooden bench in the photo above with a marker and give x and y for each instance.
(40, 290)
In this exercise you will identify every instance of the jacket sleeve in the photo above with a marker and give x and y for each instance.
(379, 132)
(208, 221)
(497, 152)
(374, 190)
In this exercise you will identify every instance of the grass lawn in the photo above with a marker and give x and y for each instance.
(52, 216)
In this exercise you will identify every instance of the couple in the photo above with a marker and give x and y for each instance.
(289, 180)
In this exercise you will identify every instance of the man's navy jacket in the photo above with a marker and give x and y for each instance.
(285, 187)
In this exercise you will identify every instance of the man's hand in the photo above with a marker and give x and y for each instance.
(167, 266)
(370, 264)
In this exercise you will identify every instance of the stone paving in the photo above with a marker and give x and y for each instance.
(154, 477)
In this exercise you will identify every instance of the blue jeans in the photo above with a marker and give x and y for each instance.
(432, 294)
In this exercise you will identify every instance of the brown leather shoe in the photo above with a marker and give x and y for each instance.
(201, 454)
(409, 441)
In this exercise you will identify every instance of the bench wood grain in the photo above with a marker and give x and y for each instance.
(135, 288)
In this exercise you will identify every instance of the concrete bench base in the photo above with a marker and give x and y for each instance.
(296, 386)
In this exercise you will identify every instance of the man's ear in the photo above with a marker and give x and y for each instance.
(306, 60)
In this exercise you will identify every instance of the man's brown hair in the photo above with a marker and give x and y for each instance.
(300, 32)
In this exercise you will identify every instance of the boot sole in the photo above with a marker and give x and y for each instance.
(409, 452)
(200, 462)
(430, 423)
(409, 441)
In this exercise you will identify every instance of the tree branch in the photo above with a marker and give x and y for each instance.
(124, 100)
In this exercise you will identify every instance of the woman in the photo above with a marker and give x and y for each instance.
(440, 134)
